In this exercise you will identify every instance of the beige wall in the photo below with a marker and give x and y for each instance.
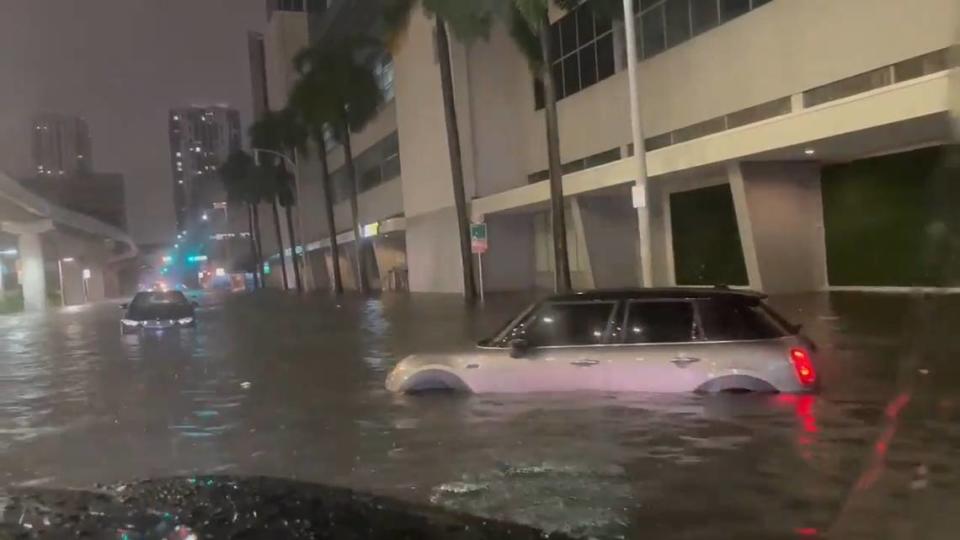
(285, 36)
(423, 144)
(783, 48)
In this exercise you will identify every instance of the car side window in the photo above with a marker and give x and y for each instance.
(660, 321)
(566, 323)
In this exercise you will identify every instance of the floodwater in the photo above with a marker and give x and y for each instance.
(280, 386)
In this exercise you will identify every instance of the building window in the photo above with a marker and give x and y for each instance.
(375, 165)
(662, 24)
(582, 48)
(383, 71)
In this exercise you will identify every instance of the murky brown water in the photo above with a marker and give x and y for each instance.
(293, 388)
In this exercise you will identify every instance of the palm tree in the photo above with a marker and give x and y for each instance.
(287, 199)
(529, 25)
(282, 133)
(240, 179)
(468, 20)
(337, 87)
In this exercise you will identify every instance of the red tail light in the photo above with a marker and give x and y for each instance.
(800, 359)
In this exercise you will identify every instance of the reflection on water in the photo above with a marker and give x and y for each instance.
(290, 387)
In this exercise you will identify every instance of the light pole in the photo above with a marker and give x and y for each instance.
(640, 192)
(294, 164)
(63, 295)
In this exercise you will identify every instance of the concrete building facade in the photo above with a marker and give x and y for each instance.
(766, 121)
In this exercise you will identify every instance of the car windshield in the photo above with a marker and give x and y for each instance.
(148, 300)
(713, 246)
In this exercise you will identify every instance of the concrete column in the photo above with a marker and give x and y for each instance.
(33, 279)
(610, 229)
(780, 213)
(31, 260)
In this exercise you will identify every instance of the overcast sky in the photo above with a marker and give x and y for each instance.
(121, 64)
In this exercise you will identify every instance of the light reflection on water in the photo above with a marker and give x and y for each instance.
(292, 387)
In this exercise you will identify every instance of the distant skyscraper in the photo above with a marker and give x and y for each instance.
(201, 138)
(61, 145)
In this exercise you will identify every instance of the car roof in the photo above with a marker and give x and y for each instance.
(654, 293)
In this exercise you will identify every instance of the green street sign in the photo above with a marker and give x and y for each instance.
(478, 238)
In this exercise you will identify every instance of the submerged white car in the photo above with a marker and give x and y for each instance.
(642, 340)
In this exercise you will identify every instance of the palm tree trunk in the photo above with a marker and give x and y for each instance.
(283, 259)
(253, 248)
(456, 160)
(354, 208)
(331, 221)
(293, 249)
(258, 243)
(561, 264)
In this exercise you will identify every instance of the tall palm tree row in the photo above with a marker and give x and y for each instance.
(337, 88)
(242, 181)
(281, 133)
(529, 25)
(468, 21)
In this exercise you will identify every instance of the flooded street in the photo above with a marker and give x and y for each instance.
(279, 386)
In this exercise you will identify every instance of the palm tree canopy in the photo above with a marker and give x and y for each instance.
(242, 178)
(280, 131)
(336, 84)
(468, 20)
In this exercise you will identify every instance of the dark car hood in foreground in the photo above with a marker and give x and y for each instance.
(235, 507)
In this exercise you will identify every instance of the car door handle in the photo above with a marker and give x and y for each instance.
(585, 362)
(684, 361)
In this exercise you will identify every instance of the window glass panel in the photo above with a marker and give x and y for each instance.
(583, 323)
(605, 62)
(703, 14)
(558, 80)
(571, 75)
(588, 66)
(555, 40)
(653, 38)
(603, 24)
(659, 322)
(733, 8)
(584, 26)
(647, 4)
(538, 99)
(730, 320)
(758, 3)
(678, 21)
(568, 34)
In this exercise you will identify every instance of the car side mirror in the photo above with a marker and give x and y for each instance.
(519, 347)
(124, 305)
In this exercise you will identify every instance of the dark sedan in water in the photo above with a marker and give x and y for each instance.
(158, 311)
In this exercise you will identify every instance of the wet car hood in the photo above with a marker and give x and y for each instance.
(160, 312)
(236, 507)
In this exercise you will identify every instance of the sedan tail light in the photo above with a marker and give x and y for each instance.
(803, 366)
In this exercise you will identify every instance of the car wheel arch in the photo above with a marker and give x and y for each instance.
(434, 379)
(736, 383)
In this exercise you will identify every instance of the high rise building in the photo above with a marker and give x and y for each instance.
(61, 145)
(201, 138)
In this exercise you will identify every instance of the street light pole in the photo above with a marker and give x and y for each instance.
(295, 165)
(640, 192)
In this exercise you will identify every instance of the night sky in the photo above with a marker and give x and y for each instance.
(121, 64)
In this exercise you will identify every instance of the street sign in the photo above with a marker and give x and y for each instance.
(478, 238)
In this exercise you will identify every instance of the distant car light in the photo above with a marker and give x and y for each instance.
(130, 322)
(185, 320)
